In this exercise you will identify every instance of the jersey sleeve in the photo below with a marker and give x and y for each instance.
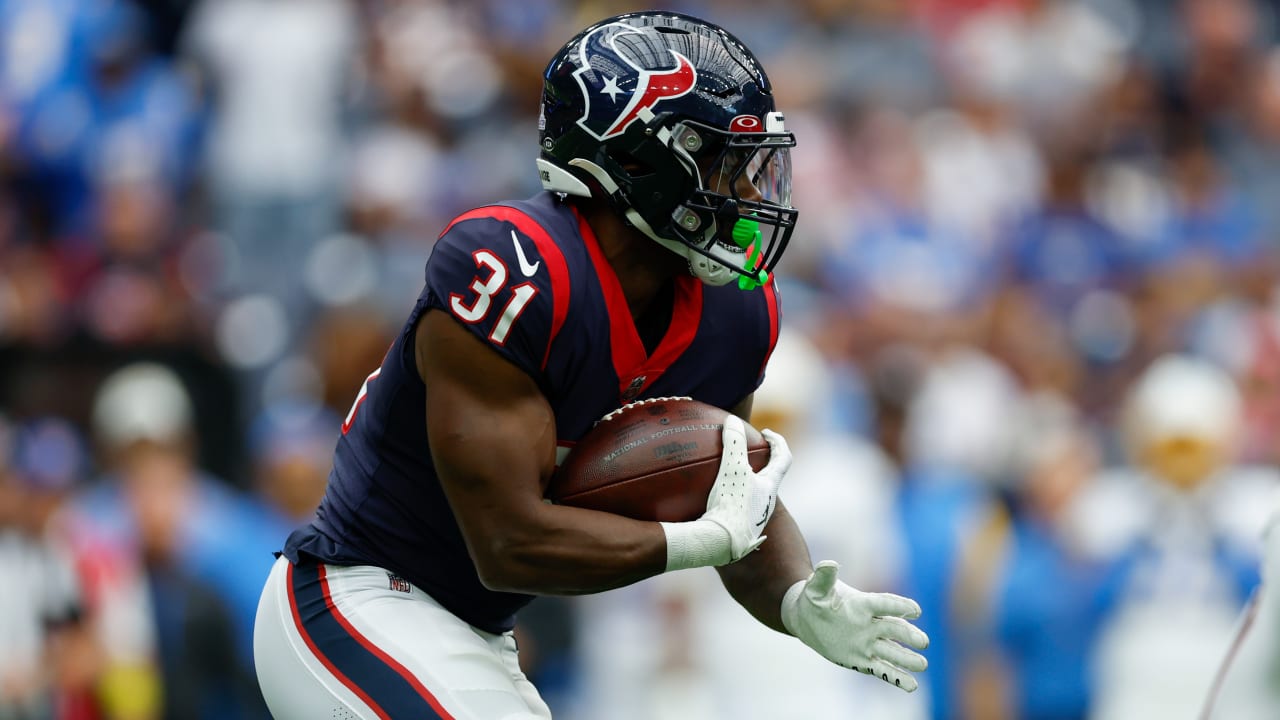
(491, 272)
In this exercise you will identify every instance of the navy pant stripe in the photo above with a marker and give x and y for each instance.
(382, 682)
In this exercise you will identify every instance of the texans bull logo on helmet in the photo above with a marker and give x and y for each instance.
(621, 73)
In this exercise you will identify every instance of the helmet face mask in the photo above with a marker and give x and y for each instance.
(690, 151)
(749, 178)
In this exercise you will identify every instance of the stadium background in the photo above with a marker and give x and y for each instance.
(1033, 332)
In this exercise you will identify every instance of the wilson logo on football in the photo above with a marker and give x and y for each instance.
(621, 76)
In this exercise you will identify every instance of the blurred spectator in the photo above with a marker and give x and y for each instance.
(431, 143)
(101, 157)
(114, 114)
(45, 655)
(393, 194)
(981, 169)
(1064, 306)
(1221, 38)
(1050, 593)
(292, 447)
(1046, 58)
(346, 345)
(113, 672)
(1252, 147)
(277, 78)
(1253, 339)
(202, 543)
(1060, 252)
(1213, 229)
(899, 272)
(956, 446)
(87, 635)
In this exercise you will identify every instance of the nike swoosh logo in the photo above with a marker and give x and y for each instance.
(525, 266)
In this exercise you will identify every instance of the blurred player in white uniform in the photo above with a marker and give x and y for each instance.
(1189, 519)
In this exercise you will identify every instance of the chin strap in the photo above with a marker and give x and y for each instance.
(702, 267)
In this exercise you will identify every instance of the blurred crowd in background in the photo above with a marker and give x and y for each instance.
(1030, 366)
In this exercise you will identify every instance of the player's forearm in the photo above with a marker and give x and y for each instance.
(569, 551)
(759, 580)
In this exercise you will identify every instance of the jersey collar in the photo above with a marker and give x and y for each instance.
(637, 371)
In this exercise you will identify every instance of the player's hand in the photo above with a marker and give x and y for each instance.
(861, 631)
(741, 501)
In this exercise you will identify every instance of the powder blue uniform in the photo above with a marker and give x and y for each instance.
(529, 279)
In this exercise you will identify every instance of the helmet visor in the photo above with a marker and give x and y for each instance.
(747, 178)
(769, 172)
(756, 173)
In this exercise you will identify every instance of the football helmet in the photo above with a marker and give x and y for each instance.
(672, 119)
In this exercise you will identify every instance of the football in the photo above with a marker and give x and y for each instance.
(653, 459)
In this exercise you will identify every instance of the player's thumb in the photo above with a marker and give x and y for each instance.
(779, 453)
(734, 436)
(822, 580)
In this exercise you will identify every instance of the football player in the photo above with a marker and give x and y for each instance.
(642, 271)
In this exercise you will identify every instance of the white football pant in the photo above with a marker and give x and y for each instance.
(339, 643)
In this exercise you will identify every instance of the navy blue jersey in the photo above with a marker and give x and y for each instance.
(529, 279)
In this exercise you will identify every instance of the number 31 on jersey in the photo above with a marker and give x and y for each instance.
(487, 286)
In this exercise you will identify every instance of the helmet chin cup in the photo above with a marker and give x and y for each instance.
(715, 271)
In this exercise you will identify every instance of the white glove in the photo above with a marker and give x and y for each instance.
(857, 630)
(741, 501)
(738, 507)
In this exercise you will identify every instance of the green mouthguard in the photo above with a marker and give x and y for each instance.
(746, 233)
